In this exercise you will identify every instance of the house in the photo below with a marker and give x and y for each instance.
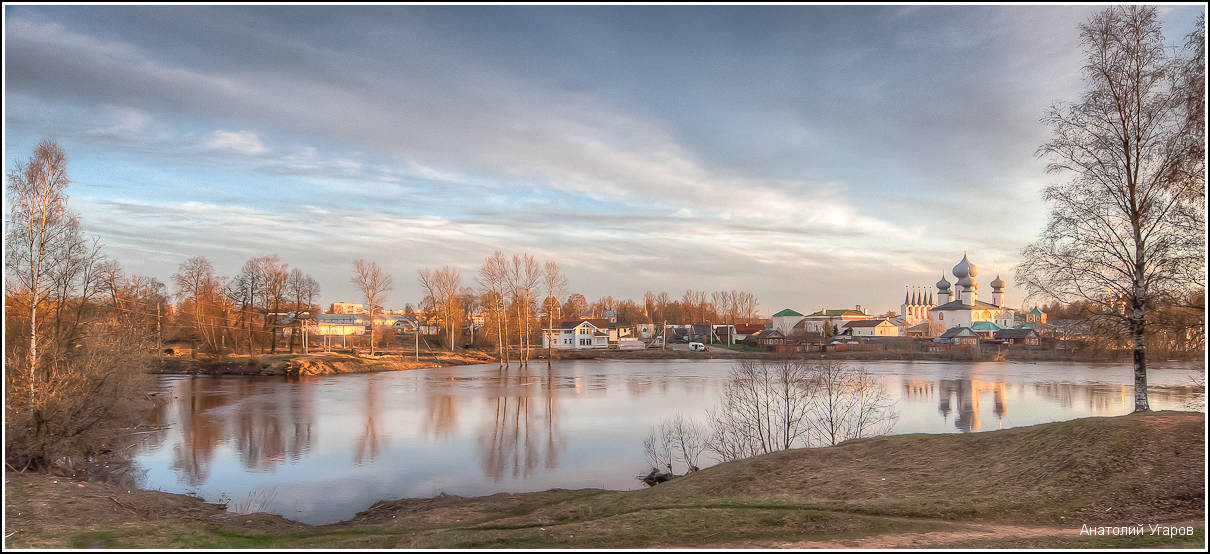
(725, 333)
(744, 330)
(768, 337)
(1035, 316)
(960, 336)
(870, 328)
(825, 321)
(1020, 336)
(785, 320)
(575, 334)
(918, 330)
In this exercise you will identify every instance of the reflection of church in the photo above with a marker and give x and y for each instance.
(962, 396)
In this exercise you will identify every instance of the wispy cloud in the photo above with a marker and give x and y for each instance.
(242, 142)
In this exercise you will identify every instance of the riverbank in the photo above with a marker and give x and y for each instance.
(1026, 487)
(321, 363)
(963, 355)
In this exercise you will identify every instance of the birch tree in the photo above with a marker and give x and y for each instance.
(555, 283)
(492, 280)
(1127, 229)
(39, 222)
(374, 284)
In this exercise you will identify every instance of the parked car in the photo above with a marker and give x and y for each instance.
(698, 346)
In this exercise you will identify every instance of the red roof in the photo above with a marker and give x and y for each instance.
(748, 328)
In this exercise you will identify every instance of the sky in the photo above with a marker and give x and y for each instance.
(815, 156)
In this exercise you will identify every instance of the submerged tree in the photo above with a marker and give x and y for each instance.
(1127, 230)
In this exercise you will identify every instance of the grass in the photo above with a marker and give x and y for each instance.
(1141, 467)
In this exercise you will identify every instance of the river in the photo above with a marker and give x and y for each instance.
(321, 449)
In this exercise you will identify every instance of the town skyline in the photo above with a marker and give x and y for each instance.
(816, 156)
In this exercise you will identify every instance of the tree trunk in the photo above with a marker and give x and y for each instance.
(1140, 358)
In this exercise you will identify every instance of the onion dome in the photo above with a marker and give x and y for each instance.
(943, 284)
(997, 284)
(965, 268)
(966, 282)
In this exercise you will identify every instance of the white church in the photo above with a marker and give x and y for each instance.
(963, 310)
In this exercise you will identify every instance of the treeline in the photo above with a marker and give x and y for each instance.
(1174, 326)
(242, 313)
(518, 296)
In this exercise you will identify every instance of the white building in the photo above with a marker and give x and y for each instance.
(871, 328)
(967, 309)
(575, 334)
(785, 320)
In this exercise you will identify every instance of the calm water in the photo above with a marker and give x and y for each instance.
(322, 449)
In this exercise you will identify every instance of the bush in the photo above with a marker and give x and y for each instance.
(74, 404)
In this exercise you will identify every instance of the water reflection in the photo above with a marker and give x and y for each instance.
(370, 442)
(330, 446)
(524, 432)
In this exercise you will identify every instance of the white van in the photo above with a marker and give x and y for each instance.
(697, 346)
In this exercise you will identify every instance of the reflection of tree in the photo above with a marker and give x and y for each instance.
(267, 428)
(442, 420)
(196, 431)
(370, 442)
(271, 428)
(524, 431)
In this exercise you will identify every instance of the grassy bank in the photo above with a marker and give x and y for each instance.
(1025, 487)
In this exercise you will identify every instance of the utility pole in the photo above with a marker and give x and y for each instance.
(664, 339)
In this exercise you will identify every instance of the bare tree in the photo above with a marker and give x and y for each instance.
(273, 295)
(1127, 231)
(556, 284)
(442, 286)
(659, 445)
(39, 222)
(771, 405)
(199, 288)
(303, 289)
(763, 408)
(689, 439)
(576, 305)
(493, 281)
(522, 277)
(848, 403)
(374, 284)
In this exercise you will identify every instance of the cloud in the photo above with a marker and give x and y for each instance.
(771, 143)
(243, 142)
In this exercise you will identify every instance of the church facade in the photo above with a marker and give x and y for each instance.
(961, 307)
